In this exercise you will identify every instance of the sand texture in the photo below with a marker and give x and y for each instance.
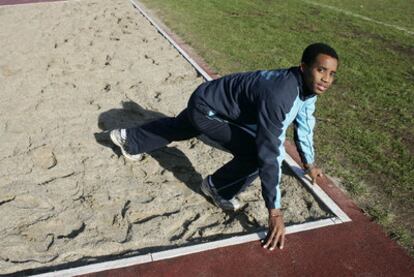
(68, 72)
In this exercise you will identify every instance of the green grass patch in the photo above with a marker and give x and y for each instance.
(364, 131)
(397, 13)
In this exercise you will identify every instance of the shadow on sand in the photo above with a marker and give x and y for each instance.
(170, 158)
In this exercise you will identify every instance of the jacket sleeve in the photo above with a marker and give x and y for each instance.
(270, 148)
(304, 124)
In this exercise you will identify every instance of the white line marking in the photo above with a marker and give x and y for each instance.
(182, 251)
(359, 16)
(168, 254)
(99, 266)
(317, 190)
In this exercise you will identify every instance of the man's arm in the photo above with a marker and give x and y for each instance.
(269, 141)
(303, 136)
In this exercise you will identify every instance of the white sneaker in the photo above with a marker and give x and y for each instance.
(122, 143)
(211, 191)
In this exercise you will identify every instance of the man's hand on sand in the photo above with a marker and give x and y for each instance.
(276, 234)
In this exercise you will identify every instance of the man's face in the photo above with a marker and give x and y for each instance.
(319, 76)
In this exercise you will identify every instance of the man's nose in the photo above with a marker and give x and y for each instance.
(326, 78)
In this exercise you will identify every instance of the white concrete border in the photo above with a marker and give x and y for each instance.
(316, 190)
(171, 40)
(340, 216)
(168, 254)
(99, 266)
(182, 251)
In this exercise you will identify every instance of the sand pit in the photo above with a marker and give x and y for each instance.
(70, 70)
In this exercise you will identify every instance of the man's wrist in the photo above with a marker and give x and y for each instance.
(309, 166)
(275, 213)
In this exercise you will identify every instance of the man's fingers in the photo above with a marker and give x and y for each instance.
(314, 173)
(269, 239)
(319, 174)
(282, 241)
(275, 241)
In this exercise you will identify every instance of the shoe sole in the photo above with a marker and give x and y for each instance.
(126, 155)
(208, 194)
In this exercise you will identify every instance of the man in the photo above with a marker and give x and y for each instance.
(248, 114)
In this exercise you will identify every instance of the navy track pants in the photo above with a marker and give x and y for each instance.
(193, 121)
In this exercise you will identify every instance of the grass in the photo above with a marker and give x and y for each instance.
(397, 13)
(365, 131)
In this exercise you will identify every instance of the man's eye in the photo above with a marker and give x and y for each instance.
(333, 74)
(320, 69)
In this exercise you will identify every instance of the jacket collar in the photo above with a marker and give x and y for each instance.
(304, 92)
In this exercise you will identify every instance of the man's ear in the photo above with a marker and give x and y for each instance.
(302, 67)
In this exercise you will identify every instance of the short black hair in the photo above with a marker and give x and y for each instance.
(312, 51)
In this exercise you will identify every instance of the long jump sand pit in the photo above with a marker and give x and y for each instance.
(68, 72)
